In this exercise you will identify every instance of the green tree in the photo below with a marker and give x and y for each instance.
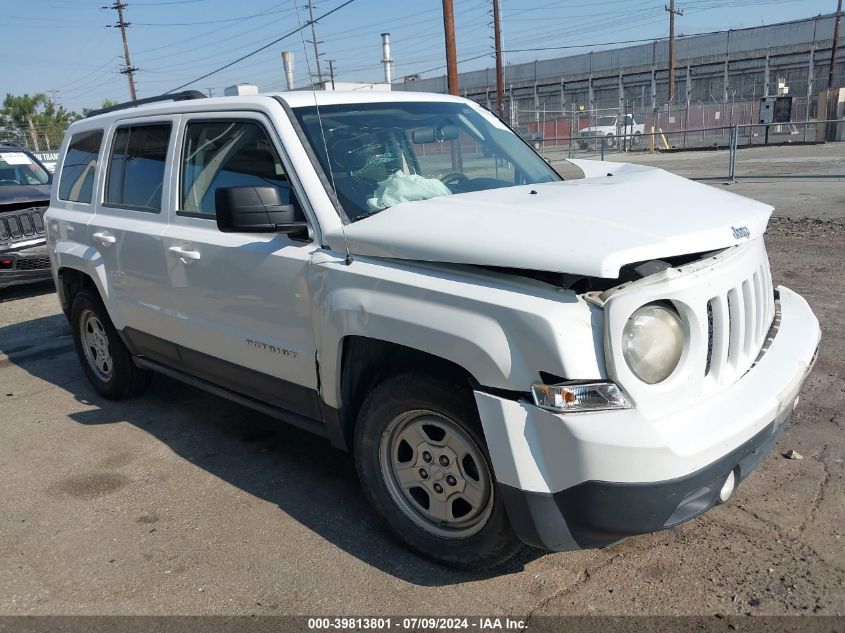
(21, 111)
(51, 123)
(43, 121)
(107, 103)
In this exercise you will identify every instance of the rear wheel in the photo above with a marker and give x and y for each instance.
(424, 466)
(105, 360)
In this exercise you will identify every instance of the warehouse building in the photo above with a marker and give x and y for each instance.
(734, 67)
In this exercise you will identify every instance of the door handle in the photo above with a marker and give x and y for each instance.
(105, 238)
(185, 253)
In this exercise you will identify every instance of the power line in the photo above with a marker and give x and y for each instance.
(265, 47)
(220, 21)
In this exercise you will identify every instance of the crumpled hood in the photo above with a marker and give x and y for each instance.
(591, 227)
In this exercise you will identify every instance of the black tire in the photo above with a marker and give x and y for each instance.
(124, 379)
(492, 544)
(638, 138)
(609, 140)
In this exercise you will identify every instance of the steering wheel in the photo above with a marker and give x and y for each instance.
(454, 178)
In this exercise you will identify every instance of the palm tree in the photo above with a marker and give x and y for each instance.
(21, 111)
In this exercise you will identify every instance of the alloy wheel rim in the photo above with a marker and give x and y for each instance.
(95, 344)
(436, 474)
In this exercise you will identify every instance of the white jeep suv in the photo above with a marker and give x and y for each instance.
(512, 358)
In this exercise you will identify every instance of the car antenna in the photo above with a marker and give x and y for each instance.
(349, 259)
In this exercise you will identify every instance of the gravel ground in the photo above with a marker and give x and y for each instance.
(182, 503)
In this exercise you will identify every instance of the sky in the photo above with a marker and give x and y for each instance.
(65, 49)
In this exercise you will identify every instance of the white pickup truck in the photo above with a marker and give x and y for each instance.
(512, 358)
(611, 129)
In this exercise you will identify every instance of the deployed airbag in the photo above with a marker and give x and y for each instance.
(400, 187)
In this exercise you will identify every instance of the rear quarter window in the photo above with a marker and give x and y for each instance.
(79, 166)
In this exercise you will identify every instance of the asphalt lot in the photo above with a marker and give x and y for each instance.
(182, 503)
(800, 181)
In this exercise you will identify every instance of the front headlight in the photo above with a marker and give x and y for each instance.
(652, 342)
(574, 397)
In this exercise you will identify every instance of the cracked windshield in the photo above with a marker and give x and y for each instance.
(382, 154)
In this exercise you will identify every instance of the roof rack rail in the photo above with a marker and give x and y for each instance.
(186, 95)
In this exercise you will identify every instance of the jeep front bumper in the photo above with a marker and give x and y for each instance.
(24, 265)
(590, 479)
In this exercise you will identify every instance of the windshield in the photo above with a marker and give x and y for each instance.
(381, 154)
(604, 121)
(19, 168)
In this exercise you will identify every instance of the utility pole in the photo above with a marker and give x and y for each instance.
(831, 73)
(128, 69)
(500, 74)
(672, 13)
(314, 41)
(451, 55)
(331, 72)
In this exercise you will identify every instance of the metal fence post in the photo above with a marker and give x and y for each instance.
(732, 153)
(602, 147)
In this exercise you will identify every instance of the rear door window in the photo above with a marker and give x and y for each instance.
(79, 167)
(136, 169)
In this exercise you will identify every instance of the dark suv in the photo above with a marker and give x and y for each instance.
(24, 195)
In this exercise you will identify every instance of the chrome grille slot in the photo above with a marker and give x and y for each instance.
(736, 326)
(760, 306)
(14, 227)
(750, 316)
(26, 224)
(737, 322)
(709, 338)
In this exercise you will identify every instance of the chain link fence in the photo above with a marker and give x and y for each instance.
(690, 126)
(630, 130)
(35, 138)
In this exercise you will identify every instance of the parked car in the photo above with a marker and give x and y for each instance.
(511, 358)
(611, 129)
(24, 196)
(532, 137)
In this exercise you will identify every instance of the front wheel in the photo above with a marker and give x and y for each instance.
(423, 464)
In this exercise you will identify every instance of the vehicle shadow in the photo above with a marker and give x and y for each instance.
(295, 470)
(25, 291)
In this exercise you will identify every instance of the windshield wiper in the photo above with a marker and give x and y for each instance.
(367, 214)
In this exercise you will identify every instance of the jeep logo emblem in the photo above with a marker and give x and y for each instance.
(740, 232)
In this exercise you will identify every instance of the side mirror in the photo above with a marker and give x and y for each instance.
(255, 210)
